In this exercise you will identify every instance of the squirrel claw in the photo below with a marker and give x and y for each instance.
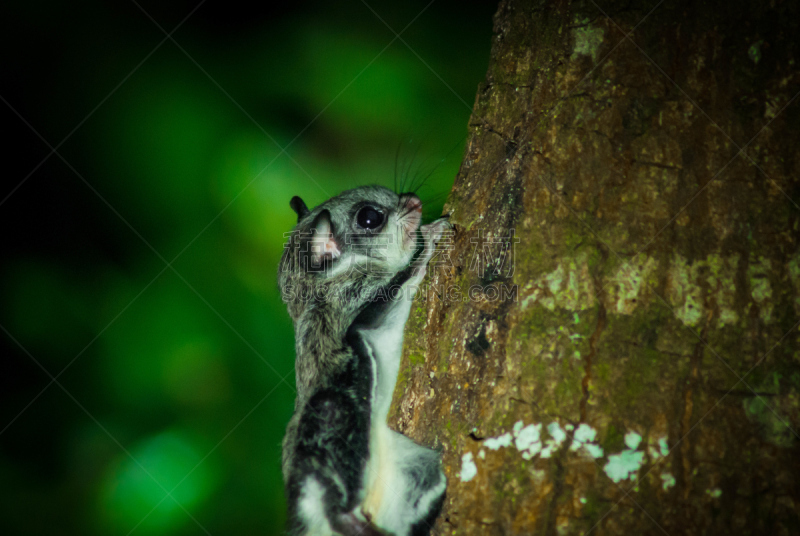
(434, 230)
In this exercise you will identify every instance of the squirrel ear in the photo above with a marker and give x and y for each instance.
(323, 244)
(299, 206)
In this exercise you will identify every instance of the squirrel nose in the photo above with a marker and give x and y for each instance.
(410, 202)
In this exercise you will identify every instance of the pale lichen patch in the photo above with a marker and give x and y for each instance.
(660, 449)
(555, 279)
(760, 288)
(568, 286)
(587, 41)
(528, 440)
(631, 284)
(584, 437)
(468, 468)
(627, 463)
(683, 292)
(632, 440)
(722, 286)
(557, 436)
(517, 427)
(494, 443)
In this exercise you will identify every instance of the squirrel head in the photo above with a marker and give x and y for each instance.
(363, 234)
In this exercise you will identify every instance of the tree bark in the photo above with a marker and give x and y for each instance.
(633, 366)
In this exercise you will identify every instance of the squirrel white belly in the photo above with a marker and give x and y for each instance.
(348, 275)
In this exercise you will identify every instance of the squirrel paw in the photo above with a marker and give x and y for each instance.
(433, 231)
(431, 235)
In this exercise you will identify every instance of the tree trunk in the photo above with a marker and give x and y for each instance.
(630, 365)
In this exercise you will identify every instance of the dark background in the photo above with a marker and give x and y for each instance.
(147, 362)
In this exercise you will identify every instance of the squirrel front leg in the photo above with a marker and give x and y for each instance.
(403, 477)
(431, 234)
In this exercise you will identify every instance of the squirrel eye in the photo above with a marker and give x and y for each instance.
(369, 218)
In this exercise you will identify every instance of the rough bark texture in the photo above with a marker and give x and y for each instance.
(645, 364)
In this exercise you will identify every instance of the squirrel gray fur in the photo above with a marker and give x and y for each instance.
(348, 275)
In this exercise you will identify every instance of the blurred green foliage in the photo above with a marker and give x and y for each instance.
(139, 264)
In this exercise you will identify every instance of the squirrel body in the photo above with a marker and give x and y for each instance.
(348, 275)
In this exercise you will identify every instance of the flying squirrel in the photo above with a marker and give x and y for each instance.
(348, 275)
